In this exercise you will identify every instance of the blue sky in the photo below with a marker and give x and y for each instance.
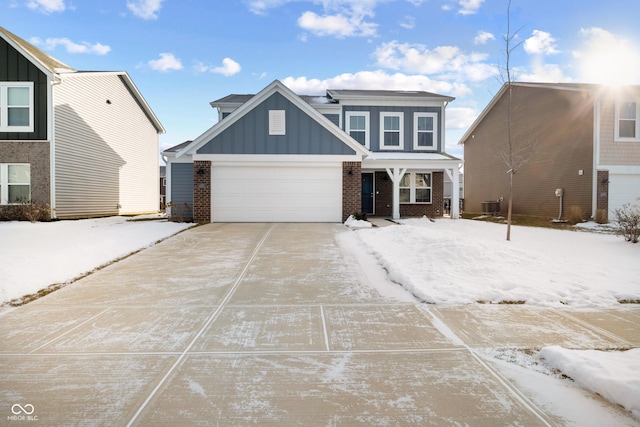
(183, 54)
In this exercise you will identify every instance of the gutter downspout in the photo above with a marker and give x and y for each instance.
(54, 81)
(596, 156)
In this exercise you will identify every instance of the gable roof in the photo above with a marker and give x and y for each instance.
(51, 66)
(275, 87)
(389, 94)
(580, 87)
(42, 60)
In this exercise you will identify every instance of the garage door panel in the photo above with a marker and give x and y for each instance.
(276, 194)
(623, 188)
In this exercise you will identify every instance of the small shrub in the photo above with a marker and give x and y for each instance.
(628, 219)
(361, 216)
(575, 215)
(179, 212)
(602, 217)
(26, 210)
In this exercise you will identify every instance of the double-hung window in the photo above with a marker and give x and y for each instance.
(415, 187)
(425, 131)
(391, 131)
(15, 183)
(627, 126)
(358, 126)
(16, 107)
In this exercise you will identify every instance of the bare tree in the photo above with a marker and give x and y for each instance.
(513, 157)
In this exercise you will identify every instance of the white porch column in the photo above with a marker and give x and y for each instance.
(454, 177)
(455, 194)
(396, 175)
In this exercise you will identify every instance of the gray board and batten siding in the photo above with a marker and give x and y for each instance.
(182, 187)
(250, 135)
(14, 67)
(374, 124)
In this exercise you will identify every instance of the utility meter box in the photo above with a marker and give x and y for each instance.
(559, 192)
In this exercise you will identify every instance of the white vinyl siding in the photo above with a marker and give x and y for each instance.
(16, 107)
(106, 149)
(265, 193)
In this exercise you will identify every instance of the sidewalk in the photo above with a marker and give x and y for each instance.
(245, 324)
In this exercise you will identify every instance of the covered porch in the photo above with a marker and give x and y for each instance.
(409, 184)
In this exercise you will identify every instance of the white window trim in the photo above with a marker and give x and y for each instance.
(616, 135)
(277, 122)
(4, 182)
(382, 131)
(4, 107)
(412, 188)
(415, 131)
(367, 132)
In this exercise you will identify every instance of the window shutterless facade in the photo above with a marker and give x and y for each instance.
(415, 187)
(15, 183)
(357, 126)
(16, 107)
(627, 125)
(425, 131)
(392, 131)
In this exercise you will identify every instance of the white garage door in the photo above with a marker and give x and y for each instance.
(276, 194)
(623, 188)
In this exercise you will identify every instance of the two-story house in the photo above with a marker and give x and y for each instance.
(84, 143)
(279, 157)
(573, 144)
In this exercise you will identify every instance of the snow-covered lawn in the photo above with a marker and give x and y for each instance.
(35, 256)
(462, 262)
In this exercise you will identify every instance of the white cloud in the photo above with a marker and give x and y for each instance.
(483, 37)
(260, 7)
(376, 80)
(46, 6)
(607, 58)
(469, 7)
(408, 23)
(145, 9)
(166, 62)
(336, 25)
(541, 42)
(228, 68)
(72, 47)
(447, 61)
(539, 72)
(460, 117)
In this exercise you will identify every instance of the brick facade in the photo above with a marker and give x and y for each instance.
(37, 154)
(351, 188)
(384, 198)
(603, 191)
(202, 191)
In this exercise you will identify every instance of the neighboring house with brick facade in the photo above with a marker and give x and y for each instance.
(85, 143)
(583, 139)
(280, 157)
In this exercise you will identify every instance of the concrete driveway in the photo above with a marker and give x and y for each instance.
(270, 324)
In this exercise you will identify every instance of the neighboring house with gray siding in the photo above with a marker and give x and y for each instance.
(86, 143)
(280, 157)
(581, 138)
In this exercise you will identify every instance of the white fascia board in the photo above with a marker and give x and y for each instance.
(482, 115)
(275, 86)
(275, 159)
(411, 164)
(620, 169)
(39, 65)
